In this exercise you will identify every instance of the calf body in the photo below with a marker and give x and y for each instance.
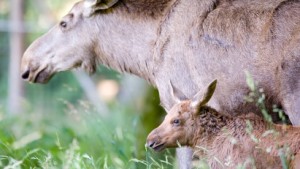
(245, 140)
(224, 141)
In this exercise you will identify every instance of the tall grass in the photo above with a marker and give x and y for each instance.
(60, 129)
(76, 138)
(68, 133)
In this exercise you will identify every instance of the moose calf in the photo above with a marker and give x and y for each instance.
(226, 142)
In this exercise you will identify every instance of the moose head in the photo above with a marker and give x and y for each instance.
(177, 128)
(67, 45)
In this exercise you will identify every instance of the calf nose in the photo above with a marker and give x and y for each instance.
(25, 75)
(151, 144)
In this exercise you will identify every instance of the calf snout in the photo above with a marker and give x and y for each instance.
(151, 139)
(155, 142)
(150, 143)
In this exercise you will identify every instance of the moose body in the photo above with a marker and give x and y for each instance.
(187, 42)
(224, 141)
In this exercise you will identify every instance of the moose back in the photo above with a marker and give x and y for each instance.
(187, 42)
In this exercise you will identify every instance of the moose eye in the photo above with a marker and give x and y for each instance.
(63, 24)
(176, 122)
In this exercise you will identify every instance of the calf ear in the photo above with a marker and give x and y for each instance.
(172, 90)
(203, 96)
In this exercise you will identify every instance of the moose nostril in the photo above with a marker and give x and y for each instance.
(25, 75)
(151, 144)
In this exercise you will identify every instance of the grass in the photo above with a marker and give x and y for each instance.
(258, 97)
(59, 129)
(62, 130)
(74, 139)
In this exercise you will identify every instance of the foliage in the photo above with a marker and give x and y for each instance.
(74, 137)
(258, 97)
(58, 127)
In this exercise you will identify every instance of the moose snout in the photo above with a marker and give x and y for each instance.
(151, 139)
(25, 74)
(155, 143)
(151, 143)
(25, 66)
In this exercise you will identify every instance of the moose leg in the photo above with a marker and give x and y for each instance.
(290, 88)
(291, 106)
(290, 76)
(184, 157)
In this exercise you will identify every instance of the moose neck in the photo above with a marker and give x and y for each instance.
(125, 43)
(208, 125)
(130, 37)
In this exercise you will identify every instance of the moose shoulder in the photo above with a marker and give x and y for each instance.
(187, 42)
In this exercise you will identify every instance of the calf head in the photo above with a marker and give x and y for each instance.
(67, 45)
(178, 129)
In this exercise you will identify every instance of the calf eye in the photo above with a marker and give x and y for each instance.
(176, 122)
(63, 24)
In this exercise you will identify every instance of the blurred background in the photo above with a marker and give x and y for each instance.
(76, 120)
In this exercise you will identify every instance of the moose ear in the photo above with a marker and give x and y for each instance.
(175, 99)
(203, 96)
(91, 6)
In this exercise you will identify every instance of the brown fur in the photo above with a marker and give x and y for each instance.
(236, 142)
(226, 141)
(187, 42)
(146, 8)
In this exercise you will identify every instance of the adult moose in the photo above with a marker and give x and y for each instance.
(187, 42)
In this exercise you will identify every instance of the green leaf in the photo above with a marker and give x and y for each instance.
(250, 81)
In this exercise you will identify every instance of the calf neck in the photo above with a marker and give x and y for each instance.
(224, 141)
